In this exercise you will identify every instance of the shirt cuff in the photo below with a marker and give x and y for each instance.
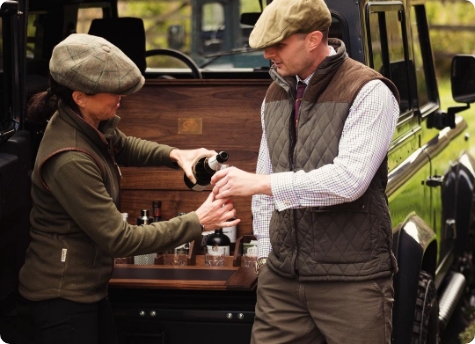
(263, 247)
(283, 190)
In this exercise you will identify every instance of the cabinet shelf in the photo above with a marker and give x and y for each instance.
(196, 256)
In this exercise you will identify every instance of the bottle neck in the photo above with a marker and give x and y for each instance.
(212, 163)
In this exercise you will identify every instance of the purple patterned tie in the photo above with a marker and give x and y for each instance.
(300, 89)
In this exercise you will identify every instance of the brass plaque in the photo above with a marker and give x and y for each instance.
(190, 126)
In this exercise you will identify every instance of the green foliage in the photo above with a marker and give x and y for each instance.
(158, 16)
(449, 41)
(168, 24)
(467, 335)
(445, 93)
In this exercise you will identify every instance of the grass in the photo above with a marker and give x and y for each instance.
(445, 94)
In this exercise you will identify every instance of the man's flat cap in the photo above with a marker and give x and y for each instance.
(283, 18)
(92, 65)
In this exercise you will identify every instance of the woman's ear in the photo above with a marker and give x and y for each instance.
(80, 98)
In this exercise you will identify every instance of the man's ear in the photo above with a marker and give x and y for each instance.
(314, 39)
(80, 98)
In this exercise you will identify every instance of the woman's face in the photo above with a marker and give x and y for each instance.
(98, 107)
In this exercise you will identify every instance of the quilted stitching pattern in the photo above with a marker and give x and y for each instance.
(348, 241)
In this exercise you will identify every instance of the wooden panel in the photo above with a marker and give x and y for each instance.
(228, 112)
(183, 277)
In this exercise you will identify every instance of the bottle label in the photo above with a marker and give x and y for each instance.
(252, 251)
(230, 232)
(182, 249)
(198, 187)
(216, 250)
(213, 163)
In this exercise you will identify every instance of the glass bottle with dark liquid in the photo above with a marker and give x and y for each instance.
(204, 169)
(219, 241)
(157, 211)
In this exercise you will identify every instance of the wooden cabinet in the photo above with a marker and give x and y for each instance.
(178, 316)
(177, 304)
(188, 114)
(193, 303)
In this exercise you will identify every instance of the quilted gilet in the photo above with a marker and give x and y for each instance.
(348, 241)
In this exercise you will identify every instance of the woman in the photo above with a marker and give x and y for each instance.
(77, 228)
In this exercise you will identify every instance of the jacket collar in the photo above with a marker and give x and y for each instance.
(98, 136)
(329, 63)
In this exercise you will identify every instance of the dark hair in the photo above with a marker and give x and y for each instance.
(43, 105)
(324, 32)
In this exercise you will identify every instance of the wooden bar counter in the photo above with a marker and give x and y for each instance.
(172, 304)
(183, 277)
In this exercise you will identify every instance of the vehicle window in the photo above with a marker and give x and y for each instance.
(37, 54)
(213, 28)
(34, 30)
(85, 17)
(208, 31)
(422, 58)
(388, 52)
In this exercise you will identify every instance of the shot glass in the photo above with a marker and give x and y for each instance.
(250, 260)
(214, 255)
(121, 260)
(177, 259)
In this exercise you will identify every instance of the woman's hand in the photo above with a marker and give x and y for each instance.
(186, 158)
(214, 214)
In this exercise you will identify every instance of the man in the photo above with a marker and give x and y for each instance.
(319, 206)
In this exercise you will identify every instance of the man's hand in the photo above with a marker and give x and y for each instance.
(186, 158)
(232, 181)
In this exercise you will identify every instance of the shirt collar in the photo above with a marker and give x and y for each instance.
(307, 79)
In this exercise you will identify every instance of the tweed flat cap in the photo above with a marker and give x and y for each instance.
(92, 65)
(282, 18)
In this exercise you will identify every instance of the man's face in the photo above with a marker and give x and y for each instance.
(291, 56)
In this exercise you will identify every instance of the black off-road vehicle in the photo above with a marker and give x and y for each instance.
(431, 165)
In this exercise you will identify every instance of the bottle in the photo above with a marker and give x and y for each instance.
(157, 211)
(218, 238)
(230, 232)
(125, 216)
(204, 169)
(144, 219)
(144, 259)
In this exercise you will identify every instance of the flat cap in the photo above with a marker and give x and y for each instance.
(92, 65)
(282, 18)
